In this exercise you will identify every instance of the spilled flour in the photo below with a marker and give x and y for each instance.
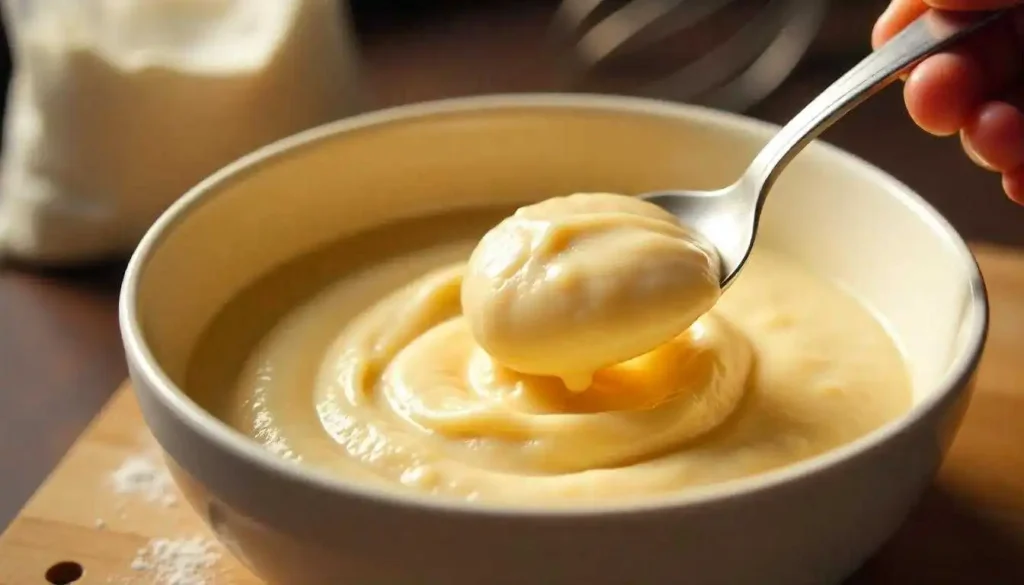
(181, 561)
(147, 477)
(167, 560)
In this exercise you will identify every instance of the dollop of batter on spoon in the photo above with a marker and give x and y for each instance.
(574, 284)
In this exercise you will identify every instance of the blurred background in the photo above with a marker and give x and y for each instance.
(414, 50)
(60, 353)
(424, 55)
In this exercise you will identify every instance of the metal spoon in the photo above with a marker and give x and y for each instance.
(728, 218)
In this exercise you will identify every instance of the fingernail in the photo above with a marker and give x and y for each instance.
(973, 154)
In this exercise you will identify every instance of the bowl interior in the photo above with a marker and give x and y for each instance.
(839, 216)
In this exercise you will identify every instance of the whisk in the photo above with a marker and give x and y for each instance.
(728, 54)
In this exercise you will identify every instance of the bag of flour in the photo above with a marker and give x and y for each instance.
(117, 107)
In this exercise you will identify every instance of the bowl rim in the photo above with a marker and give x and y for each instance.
(208, 428)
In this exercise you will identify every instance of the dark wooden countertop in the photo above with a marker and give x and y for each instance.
(60, 353)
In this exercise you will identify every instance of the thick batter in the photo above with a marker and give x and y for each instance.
(359, 360)
(571, 285)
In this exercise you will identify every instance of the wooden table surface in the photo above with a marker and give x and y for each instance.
(60, 354)
(967, 530)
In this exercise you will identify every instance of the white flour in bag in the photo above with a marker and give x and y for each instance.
(117, 107)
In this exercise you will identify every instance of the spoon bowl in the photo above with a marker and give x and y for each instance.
(728, 218)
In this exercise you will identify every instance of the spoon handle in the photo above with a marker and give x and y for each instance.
(929, 34)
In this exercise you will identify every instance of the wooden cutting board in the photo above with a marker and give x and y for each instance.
(968, 529)
(79, 516)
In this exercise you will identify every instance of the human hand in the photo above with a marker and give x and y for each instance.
(975, 89)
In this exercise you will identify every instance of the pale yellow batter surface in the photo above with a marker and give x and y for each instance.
(357, 360)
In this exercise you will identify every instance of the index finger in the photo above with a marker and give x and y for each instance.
(900, 13)
(896, 17)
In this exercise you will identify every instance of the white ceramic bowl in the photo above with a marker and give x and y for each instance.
(810, 523)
